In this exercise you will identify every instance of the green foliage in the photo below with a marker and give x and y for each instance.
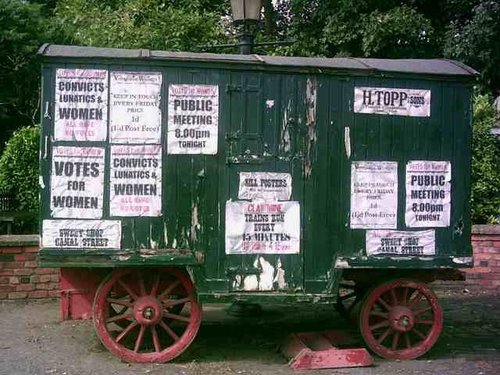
(475, 41)
(401, 32)
(485, 164)
(363, 28)
(151, 24)
(19, 39)
(24, 28)
(19, 175)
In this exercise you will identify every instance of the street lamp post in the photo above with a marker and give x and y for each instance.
(246, 15)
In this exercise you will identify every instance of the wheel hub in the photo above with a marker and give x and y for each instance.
(401, 318)
(147, 311)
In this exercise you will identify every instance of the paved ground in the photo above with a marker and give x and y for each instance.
(33, 341)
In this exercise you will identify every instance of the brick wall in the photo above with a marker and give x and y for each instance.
(19, 275)
(486, 272)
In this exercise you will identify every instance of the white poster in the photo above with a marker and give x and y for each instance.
(81, 234)
(76, 182)
(135, 113)
(428, 194)
(392, 101)
(135, 180)
(387, 242)
(81, 105)
(374, 194)
(193, 119)
(265, 186)
(262, 228)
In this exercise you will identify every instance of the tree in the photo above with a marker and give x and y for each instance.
(22, 32)
(485, 164)
(19, 176)
(154, 24)
(475, 41)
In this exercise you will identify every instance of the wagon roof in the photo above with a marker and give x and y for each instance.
(423, 66)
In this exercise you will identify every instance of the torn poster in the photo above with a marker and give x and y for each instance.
(81, 234)
(374, 194)
(81, 105)
(262, 228)
(392, 101)
(193, 119)
(135, 181)
(76, 182)
(265, 185)
(428, 194)
(386, 242)
(135, 113)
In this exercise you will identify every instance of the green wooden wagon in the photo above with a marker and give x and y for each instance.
(169, 179)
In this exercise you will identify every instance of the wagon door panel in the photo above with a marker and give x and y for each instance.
(262, 138)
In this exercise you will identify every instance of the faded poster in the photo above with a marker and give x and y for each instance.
(262, 228)
(265, 185)
(135, 113)
(428, 194)
(193, 119)
(76, 182)
(386, 242)
(135, 181)
(81, 105)
(392, 101)
(374, 194)
(81, 234)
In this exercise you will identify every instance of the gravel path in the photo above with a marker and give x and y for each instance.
(34, 341)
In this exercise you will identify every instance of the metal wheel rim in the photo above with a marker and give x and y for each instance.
(401, 319)
(147, 335)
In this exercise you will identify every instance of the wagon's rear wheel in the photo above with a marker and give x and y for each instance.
(138, 317)
(401, 319)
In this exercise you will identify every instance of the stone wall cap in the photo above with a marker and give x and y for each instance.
(486, 229)
(12, 240)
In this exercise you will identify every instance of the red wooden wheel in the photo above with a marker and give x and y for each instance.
(139, 314)
(401, 319)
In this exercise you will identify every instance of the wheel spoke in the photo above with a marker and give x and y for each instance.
(379, 314)
(138, 342)
(405, 296)
(127, 289)
(395, 341)
(407, 340)
(142, 287)
(119, 317)
(424, 321)
(384, 335)
(415, 299)
(384, 304)
(156, 340)
(156, 284)
(167, 291)
(421, 311)
(385, 323)
(121, 302)
(169, 330)
(175, 302)
(126, 331)
(181, 318)
(394, 298)
(419, 334)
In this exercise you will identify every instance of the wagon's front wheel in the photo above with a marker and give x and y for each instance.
(148, 327)
(401, 319)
